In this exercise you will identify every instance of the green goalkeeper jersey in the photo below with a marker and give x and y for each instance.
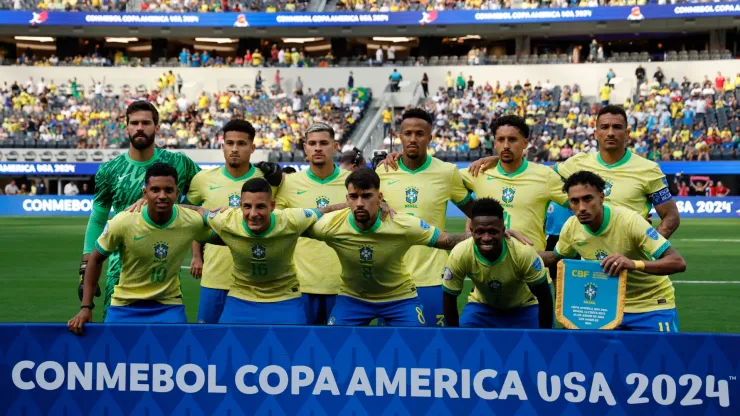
(118, 182)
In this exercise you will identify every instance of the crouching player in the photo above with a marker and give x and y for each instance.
(153, 243)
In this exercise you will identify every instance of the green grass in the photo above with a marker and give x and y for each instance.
(40, 257)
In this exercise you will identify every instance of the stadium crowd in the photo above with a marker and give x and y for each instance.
(667, 120)
(40, 113)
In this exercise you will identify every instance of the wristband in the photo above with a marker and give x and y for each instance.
(639, 265)
(91, 307)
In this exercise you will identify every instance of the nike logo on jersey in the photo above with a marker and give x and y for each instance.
(392, 182)
(581, 243)
(301, 192)
(120, 178)
(136, 238)
(215, 187)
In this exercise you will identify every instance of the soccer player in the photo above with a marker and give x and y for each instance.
(554, 219)
(525, 189)
(118, 184)
(632, 181)
(220, 187)
(511, 288)
(421, 187)
(375, 283)
(321, 185)
(622, 240)
(265, 288)
(152, 245)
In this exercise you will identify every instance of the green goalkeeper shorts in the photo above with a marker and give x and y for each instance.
(111, 278)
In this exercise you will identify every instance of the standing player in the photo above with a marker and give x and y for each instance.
(621, 239)
(118, 184)
(262, 242)
(375, 283)
(421, 187)
(152, 245)
(321, 185)
(511, 288)
(632, 181)
(215, 188)
(554, 219)
(525, 189)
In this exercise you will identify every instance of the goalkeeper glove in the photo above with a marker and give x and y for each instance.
(271, 171)
(379, 157)
(81, 286)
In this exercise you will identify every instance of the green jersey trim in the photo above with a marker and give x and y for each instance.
(479, 256)
(102, 251)
(147, 218)
(450, 291)
(263, 234)
(620, 162)
(326, 180)
(145, 163)
(421, 168)
(246, 176)
(369, 230)
(604, 223)
(519, 171)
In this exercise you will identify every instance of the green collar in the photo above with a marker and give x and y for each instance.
(620, 162)
(370, 230)
(260, 235)
(144, 163)
(417, 170)
(325, 180)
(479, 256)
(145, 214)
(604, 222)
(246, 176)
(521, 169)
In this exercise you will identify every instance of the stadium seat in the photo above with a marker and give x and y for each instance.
(98, 156)
(29, 156)
(29, 143)
(46, 156)
(299, 156)
(286, 156)
(12, 156)
(715, 153)
(728, 154)
(80, 156)
(62, 156)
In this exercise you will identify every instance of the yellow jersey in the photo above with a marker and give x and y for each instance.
(524, 194)
(151, 254)
(424, 193)
(625, 232)
(372, 259)
(263, 263)
(634, 182)
(502, 284)
(216, 188)
(316, 264)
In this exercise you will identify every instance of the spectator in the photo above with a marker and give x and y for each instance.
(721, 190)
(658, 75)
(23, 190)
(11, 188)
(605, 93)
(351, 80)
(85, 190)
(425, 85)
(719, 82)
(683, 190)
(395, 80)
(387, 120)
(379, 56)
(179, 84)
(640, 75)
(70, 189)
(40, 187)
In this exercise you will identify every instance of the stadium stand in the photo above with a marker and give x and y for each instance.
(40, 114)
(157, 6)
(439, 5)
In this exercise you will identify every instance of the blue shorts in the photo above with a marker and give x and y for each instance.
(318, 307)
(431, 300)
(655, 321)
(284, 312)
(354, 312)
(146, 312)
(478, 315)
(211, 305)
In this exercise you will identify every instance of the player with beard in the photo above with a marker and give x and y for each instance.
(118, 185)
(221, 187)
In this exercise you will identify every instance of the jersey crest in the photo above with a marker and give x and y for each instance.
(589, 291)
(652, 233)
(608, 188)
(366, 254)
(495, 285)
(322, 202)
(160, 250)
(508, 194)
(412, 195)
(259, 252)
(600, 254)
(537, 265)
(235, 200)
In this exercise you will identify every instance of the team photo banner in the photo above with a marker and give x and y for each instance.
(456, 17)
(283, 370)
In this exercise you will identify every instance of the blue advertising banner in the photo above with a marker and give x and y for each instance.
(454, 17)
(588, 298)
(241, 370)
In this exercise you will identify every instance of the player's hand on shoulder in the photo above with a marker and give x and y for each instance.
(77, 323)
(196, 268)
(519, 236)
(481, 165)
(390, 160)
(386, 210)
(272, 172)
(136, 207)
(613, 264)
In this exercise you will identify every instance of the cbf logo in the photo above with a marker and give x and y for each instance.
(508, 194)
(412, 195)
(652, 233)
(366, 254)
(322, 202)
(160, 250)
(495, 285)
(589, 291)
(600, 254)
(258, 252)
(235, 200)
(608, 188)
